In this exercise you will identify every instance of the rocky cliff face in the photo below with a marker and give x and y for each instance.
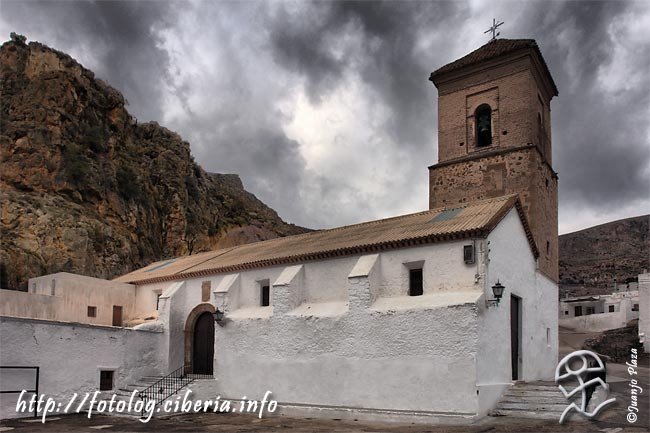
(87, 189)
(594, 256)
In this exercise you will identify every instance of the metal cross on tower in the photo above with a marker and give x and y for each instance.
(494, 28)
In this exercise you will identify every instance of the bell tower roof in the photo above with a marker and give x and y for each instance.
(493, 51)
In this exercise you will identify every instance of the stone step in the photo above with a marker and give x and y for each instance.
(556, 393)
(534, 388)
(141, 385)
(125, 396)
(539, 407)
(535, 400)
(517, 413)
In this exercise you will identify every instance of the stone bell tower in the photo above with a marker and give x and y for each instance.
(494, 136)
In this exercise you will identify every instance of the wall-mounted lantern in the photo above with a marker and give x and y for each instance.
(220, 310)
(218, 316)
(497, 291)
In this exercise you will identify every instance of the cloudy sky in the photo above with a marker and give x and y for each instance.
(325, 110)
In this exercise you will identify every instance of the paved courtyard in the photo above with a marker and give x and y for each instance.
(244, 423)
(611, 421)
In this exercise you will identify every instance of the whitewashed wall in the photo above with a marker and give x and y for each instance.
(511, 261)
(596, 322)
(621, 301)
(324, 349)
(70, 356)
(602, 320)
(568, 309)
(644, 311)
(66, 297)
(346, 343)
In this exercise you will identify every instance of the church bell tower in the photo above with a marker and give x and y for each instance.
(494, 136)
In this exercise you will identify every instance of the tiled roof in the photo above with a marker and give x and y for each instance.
(436, 225)
(494, 48)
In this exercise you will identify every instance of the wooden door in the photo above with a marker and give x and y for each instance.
(203, 344)
(515, 334)
(117, 315)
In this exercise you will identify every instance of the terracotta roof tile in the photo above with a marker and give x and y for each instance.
(472, 219)
(494, 48)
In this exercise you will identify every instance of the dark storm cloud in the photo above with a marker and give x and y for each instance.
(388, 60)
(116, 34)
(600, 141)
(230, 63)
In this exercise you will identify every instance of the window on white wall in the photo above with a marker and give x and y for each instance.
(415, 277)
(265, 293)
(415, 282)
(106, 380)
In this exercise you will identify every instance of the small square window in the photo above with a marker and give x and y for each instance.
(92, 311)
(106, 380)
(415, 282)
(468, 254)
(635, 307)
(611, 308)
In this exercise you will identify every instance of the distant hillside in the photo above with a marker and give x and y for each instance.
(87, 189)
(594, 256)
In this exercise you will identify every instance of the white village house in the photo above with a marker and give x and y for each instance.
(644, 312)
(399, 318)
(599, 312)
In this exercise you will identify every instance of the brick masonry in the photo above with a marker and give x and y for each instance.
(519, 159)
(519, 170)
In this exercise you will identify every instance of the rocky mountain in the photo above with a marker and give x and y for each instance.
(593, 257)
(87, 189)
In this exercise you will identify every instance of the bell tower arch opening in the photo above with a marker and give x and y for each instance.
(483, 120)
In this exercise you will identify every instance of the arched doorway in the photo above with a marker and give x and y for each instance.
(203, 347)
(199, 339)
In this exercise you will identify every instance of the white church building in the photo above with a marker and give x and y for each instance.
(429, 316)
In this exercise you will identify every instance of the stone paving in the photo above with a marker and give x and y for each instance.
(612, 421)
